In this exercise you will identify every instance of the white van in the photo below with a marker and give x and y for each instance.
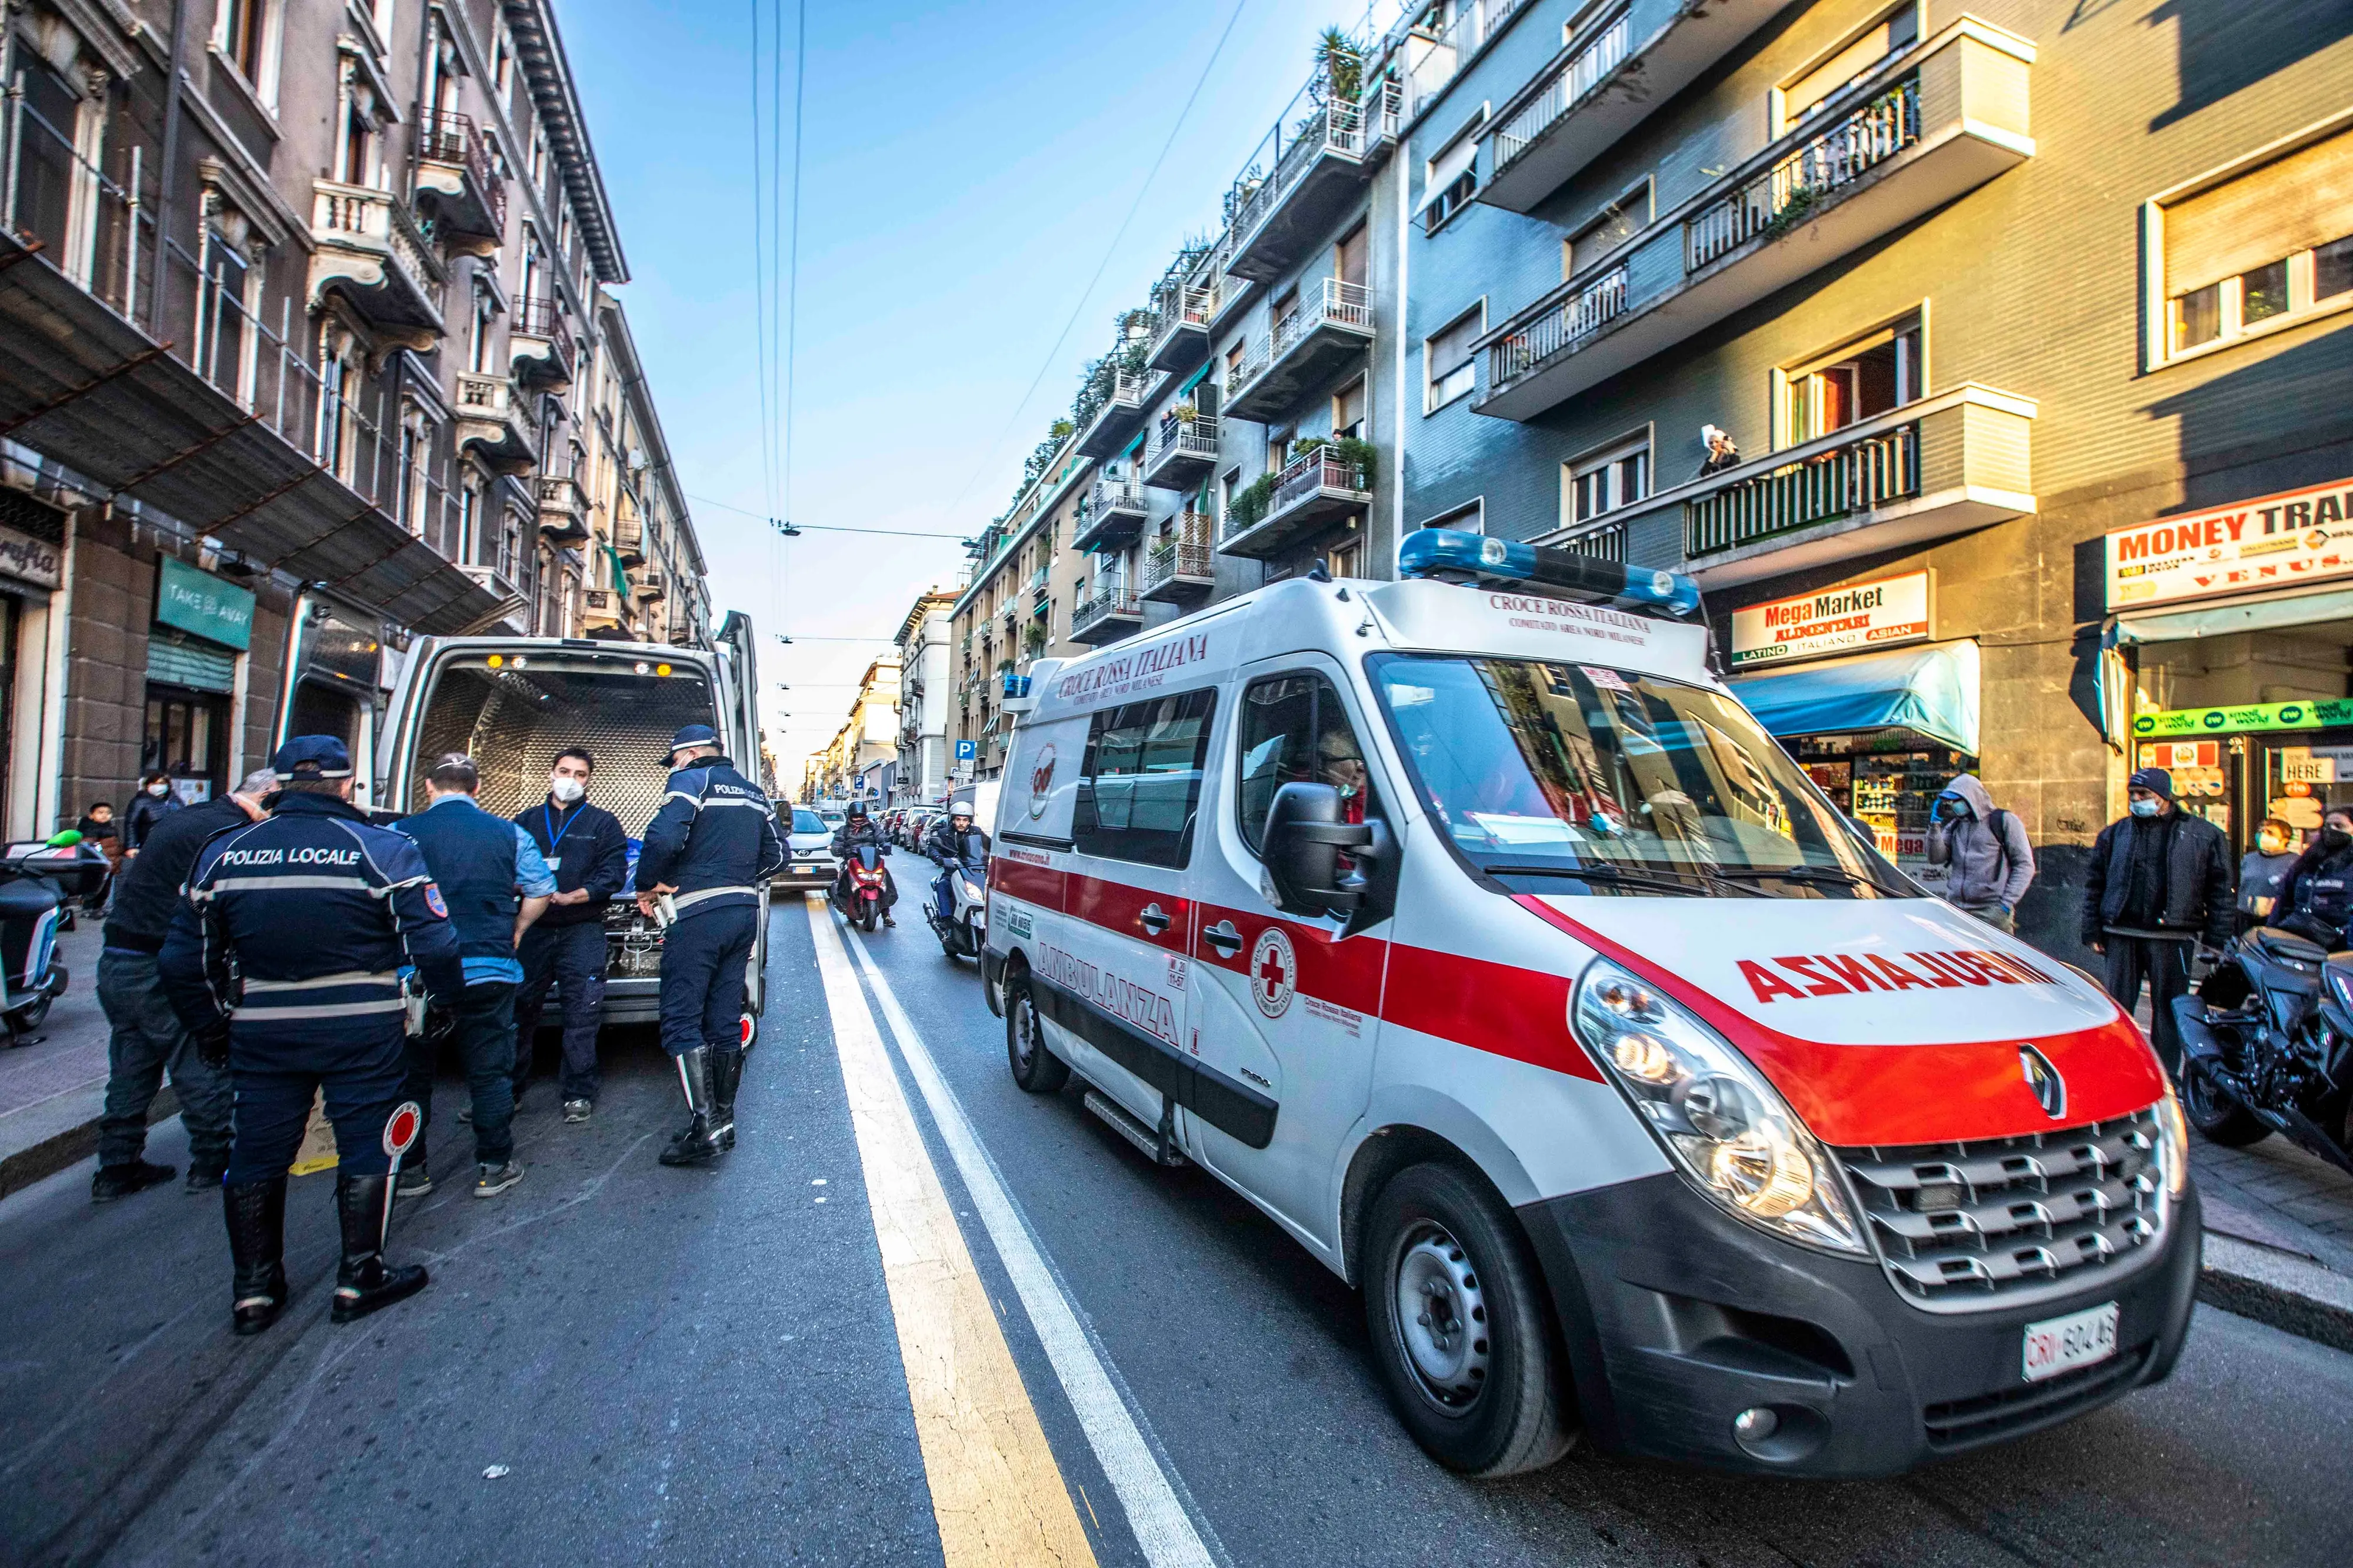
(1432, 917)
(514, 703)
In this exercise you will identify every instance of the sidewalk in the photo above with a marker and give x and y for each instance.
(51, 1093)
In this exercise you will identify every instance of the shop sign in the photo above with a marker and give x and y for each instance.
(30, 560)
(202, 604)
(2272, 542)
(1836, 620)
(2321, 714)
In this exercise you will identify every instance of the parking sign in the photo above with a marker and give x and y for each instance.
(963, 751)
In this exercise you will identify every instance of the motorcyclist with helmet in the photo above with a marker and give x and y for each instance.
(860, 831)
(944, 845)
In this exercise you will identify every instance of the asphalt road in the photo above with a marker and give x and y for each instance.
(700, 1368)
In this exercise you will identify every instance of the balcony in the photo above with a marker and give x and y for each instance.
(456, 179)
(629, 541)
(490, 420)
(1181, 567)
(650, 586)
(1187, 311)
(371, 251)
(1315, 489)
(1301, 351)
(1111, 613)
(1940, 119)
(562, 510)
(1943, 465)
(1122, 411)
(1604, 84)
(1319, 165)
(1182, 450)
(541, 345)
(1113, 515)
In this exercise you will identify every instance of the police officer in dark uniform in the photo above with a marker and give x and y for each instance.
(705, 854)
(283, 961)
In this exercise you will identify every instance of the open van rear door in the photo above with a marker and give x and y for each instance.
(742, 715)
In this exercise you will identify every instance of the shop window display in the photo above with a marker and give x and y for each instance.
(1886, 780)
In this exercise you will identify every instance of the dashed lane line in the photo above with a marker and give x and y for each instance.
(997, 1496)
(1164, 1526)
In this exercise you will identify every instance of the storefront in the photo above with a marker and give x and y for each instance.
(2234, 631)
(31, 569)
(1883, 732)
(202, 628)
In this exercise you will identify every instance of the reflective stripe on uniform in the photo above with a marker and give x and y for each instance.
(349, 977)
(684, 899)
(251, 1013)
(281, 884)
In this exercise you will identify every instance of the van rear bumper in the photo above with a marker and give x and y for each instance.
(1679, 1317)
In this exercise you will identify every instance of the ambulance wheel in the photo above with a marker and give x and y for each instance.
(1036, 1070)
(1459, 1325)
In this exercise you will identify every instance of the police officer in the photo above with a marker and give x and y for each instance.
(706, 852)
(283, 961)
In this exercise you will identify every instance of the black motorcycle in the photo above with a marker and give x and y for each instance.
(2267, 1045)
(36, 880)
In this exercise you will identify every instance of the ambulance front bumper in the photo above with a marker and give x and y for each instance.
(1679, 1318)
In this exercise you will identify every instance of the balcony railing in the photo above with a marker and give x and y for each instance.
(1315, 489)
(1346, 306)
(563, 508)
(1438, 55)
(1180, 448)
(368, 239)
(1109, 430)
(1781, 198)
(1586, 311)
(1311, 472)
(1310, 158)
(1114, 601)
(451, 140)
(1605, 543)
(1858, 477)
(541, 340)
(1580, 76)
(1185, 555)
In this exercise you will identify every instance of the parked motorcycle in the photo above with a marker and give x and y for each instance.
(36, 880)
(859, 893)
(2267, 1045)
(966, 925)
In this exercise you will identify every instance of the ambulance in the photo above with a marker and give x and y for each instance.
(1470, 928)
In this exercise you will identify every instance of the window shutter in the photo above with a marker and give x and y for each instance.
(2289, 205)
(1449, 167)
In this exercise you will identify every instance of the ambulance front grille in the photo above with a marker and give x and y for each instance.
(2010, 1221)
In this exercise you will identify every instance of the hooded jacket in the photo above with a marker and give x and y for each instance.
(1991, 861)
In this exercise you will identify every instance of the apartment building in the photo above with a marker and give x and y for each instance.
(1029, 580)
(926, 697)
(861, 762)
(2011, 319)
(301, 313)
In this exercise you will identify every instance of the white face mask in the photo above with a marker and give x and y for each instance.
(159, 791)
(567, 790)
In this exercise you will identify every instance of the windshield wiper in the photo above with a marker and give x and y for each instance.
(1798, 874)
(1621, 876)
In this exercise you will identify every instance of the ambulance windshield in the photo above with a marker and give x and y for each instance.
(1637, 784)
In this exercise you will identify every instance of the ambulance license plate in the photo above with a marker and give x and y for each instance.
(2062, 1344)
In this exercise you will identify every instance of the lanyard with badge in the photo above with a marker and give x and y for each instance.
(555, 835)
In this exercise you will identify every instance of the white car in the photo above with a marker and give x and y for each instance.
(810, 840)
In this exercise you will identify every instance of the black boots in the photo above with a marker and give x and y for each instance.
(256, 1212)
(726, 1072)
(366, 1282)
(700, 1143)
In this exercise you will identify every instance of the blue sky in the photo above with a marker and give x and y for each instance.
(965, 166)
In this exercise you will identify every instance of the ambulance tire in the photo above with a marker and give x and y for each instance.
(1479, 1388)
(1035, 1068)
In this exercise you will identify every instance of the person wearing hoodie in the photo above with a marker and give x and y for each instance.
(2263, 872)
(1991, 864)
(2157, 884)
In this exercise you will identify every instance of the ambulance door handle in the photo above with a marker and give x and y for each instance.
(1224, 937)
(1153, 919)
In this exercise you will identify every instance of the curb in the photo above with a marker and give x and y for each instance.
(40, 1161)
(2288, 1292)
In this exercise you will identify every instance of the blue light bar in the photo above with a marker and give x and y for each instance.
(1453, 555)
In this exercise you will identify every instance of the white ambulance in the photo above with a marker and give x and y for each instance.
(1468, 927)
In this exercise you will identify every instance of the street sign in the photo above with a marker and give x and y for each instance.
(964, 750)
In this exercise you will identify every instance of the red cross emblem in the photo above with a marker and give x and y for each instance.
(1274, 971)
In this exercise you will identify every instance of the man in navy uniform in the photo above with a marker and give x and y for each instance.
(283, 961)
(588, 851)
(481, 863)
(705, 854)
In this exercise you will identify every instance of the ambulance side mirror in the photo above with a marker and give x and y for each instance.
(1305, 832)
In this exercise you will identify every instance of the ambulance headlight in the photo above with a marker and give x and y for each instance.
(1729, 1128)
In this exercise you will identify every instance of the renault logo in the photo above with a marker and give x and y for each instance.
(2049, 1089)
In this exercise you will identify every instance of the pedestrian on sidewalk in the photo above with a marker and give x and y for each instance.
(99, 830)
(2158, 884)
(311, 965)
(147, 1041)
(2316, 897)
(153, 803)
(2265, 867)
(481, 863)
(588, 854)
(1991, 863)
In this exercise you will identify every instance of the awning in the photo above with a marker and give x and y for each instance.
(80, 383)
(1931, 689)
(2265, 612)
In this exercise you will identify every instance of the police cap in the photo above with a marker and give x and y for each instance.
(692, 735)
(311, 757)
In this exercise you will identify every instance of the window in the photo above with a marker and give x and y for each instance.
(1450, 365)
(359, 134)
(1863, 379)
(1605, 482)
(1348, 410)
(1471, 517)
(502, 65)
(1893, 34)
(2269, 244)
(1294, 731)
(1450, 178)
(477, 346)
(46, 172)
(1234, 365)
(1141, 780)
(1616, 223)
(1348, 257)
(241, 32)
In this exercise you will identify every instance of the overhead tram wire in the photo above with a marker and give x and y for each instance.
(1079, 308)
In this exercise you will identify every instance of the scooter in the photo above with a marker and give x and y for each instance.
(2267, 1045)
(36, 880)
(963, 931)
(866, 880)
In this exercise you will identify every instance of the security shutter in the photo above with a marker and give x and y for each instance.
(2286, 206)
(183, 661)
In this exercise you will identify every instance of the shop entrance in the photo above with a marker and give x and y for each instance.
(187, 738)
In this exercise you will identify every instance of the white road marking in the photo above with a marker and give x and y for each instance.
(1163, 1528)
